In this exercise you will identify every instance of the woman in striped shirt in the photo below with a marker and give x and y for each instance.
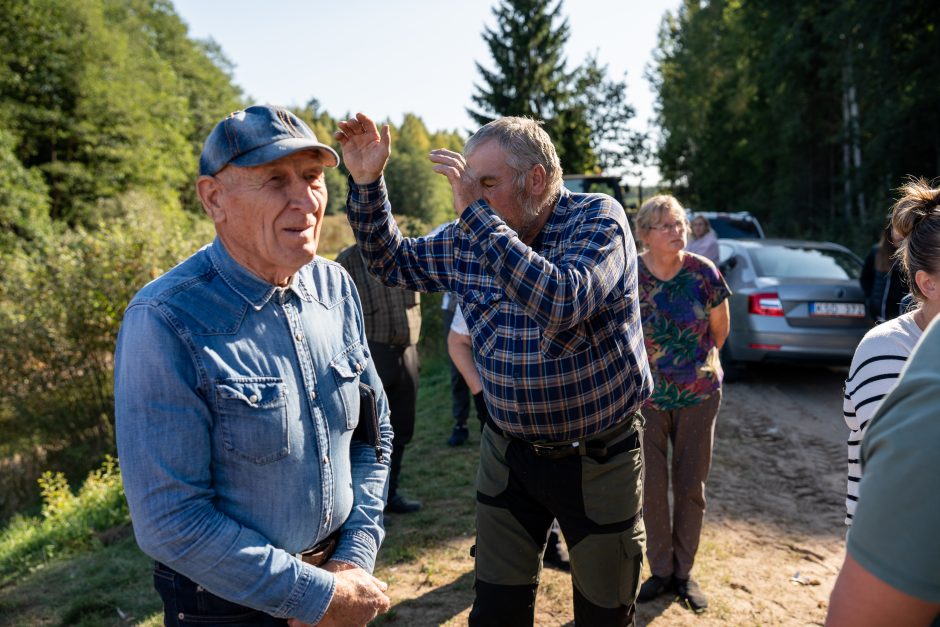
(881, 354)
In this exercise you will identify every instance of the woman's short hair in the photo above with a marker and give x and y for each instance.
(653, 210)
(915, 218)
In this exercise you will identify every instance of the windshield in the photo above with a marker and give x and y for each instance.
(804, 263)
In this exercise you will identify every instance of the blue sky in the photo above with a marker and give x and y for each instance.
(391, 57)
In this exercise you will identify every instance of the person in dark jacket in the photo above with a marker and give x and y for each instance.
(882, 280)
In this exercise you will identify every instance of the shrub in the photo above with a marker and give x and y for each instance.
(69, 523)
(62, 299)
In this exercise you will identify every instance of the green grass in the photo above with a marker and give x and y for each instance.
(78, 565)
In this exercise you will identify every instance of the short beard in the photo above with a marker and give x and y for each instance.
(531, 209)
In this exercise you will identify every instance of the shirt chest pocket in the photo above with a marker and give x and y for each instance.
(483, 312)
(253, 418)
(565, 343)
(347, 368)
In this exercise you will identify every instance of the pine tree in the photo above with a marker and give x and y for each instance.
(530, 77)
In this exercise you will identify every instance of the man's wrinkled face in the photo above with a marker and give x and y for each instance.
(501, 189)
(269, 216)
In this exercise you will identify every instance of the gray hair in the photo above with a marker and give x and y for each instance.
(526, 145)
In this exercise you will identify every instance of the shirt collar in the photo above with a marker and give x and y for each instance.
(254, 290)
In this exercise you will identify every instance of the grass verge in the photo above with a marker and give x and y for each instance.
(78, 565)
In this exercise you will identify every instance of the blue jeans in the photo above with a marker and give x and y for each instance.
(187, 603)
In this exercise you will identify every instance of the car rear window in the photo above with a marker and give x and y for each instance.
(733, 229)
(804, 263)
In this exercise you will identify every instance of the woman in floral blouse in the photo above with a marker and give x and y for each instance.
(684, 308)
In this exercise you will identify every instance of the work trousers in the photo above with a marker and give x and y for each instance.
(673, 541)
(597, 502)
(398, 369)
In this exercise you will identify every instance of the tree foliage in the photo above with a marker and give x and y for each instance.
(63, 298)
(808, 114)
(585, 113)
(105, 97)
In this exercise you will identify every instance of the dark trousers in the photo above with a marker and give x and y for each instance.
(459, 392)
(597, 502)
(186, 603)
(398, 369)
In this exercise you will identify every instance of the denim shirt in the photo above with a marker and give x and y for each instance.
(235, 405)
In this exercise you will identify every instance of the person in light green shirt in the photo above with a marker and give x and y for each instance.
(891, 574)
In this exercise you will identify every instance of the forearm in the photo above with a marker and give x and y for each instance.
(859, 599)
(422, 265)
(719, 322)
(460, 350)
(362, 532)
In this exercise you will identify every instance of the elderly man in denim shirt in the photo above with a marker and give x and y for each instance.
(252, 428)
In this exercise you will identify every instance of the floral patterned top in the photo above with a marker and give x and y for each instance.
(675, 314)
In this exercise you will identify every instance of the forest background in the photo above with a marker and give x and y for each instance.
(807, 114)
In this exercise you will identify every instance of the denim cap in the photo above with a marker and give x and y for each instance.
(258, 135)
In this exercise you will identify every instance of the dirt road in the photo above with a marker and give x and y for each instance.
(774, 536)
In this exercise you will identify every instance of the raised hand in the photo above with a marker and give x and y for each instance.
(465, 185)
(365, 150)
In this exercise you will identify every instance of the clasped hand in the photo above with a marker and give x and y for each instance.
(357, 599)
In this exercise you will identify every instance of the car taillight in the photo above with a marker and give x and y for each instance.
(765, 304)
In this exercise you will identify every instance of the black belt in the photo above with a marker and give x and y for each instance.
(593, 447)
(321, 551)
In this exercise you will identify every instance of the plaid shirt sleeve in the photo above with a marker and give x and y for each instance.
(556, 295)
(422, 264)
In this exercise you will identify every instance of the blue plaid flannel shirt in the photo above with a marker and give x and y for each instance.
(556, 332)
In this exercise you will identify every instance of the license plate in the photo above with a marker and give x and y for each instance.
(838, 310)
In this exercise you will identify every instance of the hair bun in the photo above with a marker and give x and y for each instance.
(918, 202)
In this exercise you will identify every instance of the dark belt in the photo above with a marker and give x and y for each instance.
(321, 551)
(593, 447)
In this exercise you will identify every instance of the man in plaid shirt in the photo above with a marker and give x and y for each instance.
(548, 285)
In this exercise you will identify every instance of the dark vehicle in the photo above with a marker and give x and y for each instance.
(592, 183)
(737, 225)
(792, 300)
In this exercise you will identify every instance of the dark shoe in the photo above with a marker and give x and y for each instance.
(556, 554)
(691, 595)
(458, 436)
(400, 505)
(654, 587)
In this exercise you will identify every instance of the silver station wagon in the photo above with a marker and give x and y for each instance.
(793, 300)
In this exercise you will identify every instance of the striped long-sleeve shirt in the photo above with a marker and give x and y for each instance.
(875, 368)
(555, 330)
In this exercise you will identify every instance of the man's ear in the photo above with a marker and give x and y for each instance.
(209, 189)
(537, 180)
(928, 286)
